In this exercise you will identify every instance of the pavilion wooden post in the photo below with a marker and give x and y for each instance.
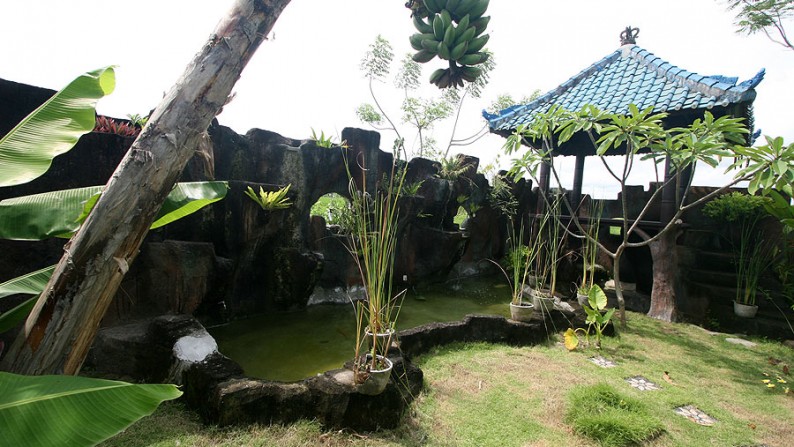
(578, 175)
(62, 325)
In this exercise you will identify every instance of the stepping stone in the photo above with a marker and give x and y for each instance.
(695, 415)
(642, 384)
(741, 341)
(602, 362)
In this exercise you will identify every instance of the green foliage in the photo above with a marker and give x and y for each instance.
(501, 197)
(322, 140)
(753, 253)
(137, 120)
(597, 320)
(736, 207)
(451, 168)
(767, 16)
(377, 61)
(60, 213)
(72, 410)
(590, 247)
(373, 245)
(611, 418)
(270, 200)
(64, 118)
(421, 114)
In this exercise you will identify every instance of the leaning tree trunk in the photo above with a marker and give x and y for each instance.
(665, 263)
(62, 325)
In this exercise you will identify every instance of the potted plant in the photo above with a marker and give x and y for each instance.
(517, 262)
(590, 253)
(743, 213)
(373, 245)
(549, 245)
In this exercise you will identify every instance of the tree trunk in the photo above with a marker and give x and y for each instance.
(665, 263)
(62, 325)
(618, 288)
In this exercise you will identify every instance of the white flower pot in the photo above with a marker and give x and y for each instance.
(744, 310)
(521, 312)
(377, 379)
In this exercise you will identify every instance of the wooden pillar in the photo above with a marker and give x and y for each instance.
(668, 205)
(543, 186)
(578, 174)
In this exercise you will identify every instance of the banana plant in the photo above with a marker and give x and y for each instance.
(72, 410)
(56, 410)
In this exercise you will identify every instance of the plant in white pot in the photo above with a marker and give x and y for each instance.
(752, 253)
(516, 269)
(549, 243)
(373, 245)
(589, 252)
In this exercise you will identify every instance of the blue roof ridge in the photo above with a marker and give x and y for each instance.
(718, 87)
(562, 88)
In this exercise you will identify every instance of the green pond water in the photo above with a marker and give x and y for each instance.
(292, 346)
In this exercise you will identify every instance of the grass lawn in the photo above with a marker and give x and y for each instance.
(494, 395)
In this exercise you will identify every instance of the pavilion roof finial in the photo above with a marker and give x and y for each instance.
(629, 36)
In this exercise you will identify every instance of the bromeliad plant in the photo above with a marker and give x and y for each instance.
(270, 200)
(597, 320)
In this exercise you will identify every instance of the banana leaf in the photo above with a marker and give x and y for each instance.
(59, 213)
(26, 152)
(72, 410)
(30, 284)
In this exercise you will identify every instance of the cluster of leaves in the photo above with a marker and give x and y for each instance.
(55, 410)
(766, 16)
(420, 113)
(324, 141)
(270, 200)
(736, 207)
(106, 124)
(597, 320)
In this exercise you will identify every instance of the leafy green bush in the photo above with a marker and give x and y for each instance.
(601, 413)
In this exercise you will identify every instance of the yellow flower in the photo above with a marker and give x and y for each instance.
(770, 385)
(765, 381)
(779, 380)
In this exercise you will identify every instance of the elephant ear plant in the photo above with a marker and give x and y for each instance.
(55, 410)
(597, 320)
(373, 245)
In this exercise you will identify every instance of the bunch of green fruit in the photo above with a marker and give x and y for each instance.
(453, 31)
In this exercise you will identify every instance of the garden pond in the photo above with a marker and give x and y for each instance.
(296, 345)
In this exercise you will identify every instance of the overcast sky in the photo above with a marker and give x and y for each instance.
(307, 74)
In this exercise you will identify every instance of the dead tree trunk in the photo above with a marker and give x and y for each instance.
(62, 325)
(665, 263)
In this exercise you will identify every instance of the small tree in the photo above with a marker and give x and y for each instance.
(766, 16)
(419, 113)
(706, 140)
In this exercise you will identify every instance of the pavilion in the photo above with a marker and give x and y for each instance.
(633, 75)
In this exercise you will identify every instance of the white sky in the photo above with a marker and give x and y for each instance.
(308, 75)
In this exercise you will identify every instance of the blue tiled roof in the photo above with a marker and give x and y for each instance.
(632, 75)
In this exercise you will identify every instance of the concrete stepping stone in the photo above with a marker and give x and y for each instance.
(741, 341)
(695, 415)
(642, 384)
(602, 362)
